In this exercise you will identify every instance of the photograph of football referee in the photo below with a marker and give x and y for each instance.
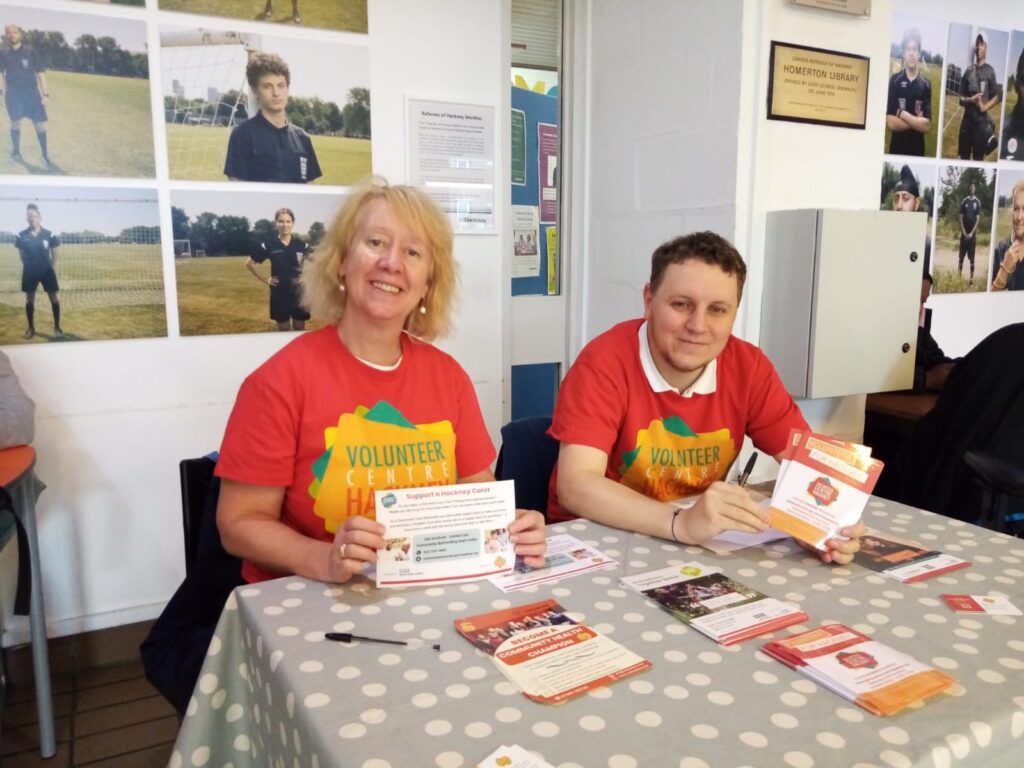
(76, 95)
(1012, 145)
(915, 68)
(972, 114)
(963, 228)
(340, 15)
(238, 258)
(93, 252)
(247, 107)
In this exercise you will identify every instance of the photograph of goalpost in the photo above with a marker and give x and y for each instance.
(340, 15)
(206, 96)
(107, 266)
(217, 293)
(93, 88)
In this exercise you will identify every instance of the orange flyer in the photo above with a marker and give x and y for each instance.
(823, 486)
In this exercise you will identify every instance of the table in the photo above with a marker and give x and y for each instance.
(273, 692)
(19, 480)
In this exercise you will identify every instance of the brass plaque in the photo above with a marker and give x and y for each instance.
(813, 85)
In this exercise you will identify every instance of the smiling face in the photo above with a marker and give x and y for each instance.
(1017, 215)
(284, 224)
(386, 271)
(689, 318)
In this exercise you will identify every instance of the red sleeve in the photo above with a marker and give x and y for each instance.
(773, 413)
(591, 404)
(260, 440)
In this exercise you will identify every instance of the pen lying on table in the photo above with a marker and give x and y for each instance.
(348, 637)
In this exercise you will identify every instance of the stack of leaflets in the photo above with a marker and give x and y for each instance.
(566, 556)
(871, 674)
(997, 605)
(823, 486)
(546, 654)
(902, 560)
(723, 609)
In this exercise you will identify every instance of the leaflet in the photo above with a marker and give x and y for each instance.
(730, 541)
(547, 655)
(445, 534)
(512, 756)
(902, 560)
(722, 608)
(566, 556)
(996, 605)
(871, 674)
(823, 486)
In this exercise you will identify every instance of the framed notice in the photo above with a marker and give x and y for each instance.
(814, 85)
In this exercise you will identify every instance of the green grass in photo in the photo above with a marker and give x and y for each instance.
(218, 295)
(934, 75)
(946, 255)
(198, 151)
(98, 126)
(107, 291)
(952, 118)
(342, 15)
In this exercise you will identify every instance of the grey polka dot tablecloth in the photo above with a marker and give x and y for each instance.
(274, 693)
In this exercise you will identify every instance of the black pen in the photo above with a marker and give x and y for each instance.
(348, 637)
(745, 474)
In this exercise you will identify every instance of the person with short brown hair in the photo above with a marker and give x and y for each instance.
(657, 408)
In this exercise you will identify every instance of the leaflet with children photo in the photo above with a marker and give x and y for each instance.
(724, 609)
(445, 534)
(823, 486)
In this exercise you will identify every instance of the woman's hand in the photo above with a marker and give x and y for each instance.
(527, 532)
(355, 544)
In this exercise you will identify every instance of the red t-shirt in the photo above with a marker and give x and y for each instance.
(662, 444)
(330, 429)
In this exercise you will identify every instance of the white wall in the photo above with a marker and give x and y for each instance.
(661, 144)
(114, 418)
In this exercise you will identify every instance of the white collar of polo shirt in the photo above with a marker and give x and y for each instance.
(706, 383)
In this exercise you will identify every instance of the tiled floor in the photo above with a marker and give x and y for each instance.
(106, 716)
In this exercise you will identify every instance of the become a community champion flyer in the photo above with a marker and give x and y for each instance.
(445, 534)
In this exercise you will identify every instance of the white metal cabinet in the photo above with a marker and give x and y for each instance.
(841, 299)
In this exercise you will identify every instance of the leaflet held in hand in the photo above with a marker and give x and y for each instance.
(823, 486)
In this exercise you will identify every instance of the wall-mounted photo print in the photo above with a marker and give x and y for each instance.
(341, 15)
(76, 93)
(136, 3)
(963, 241)
(1007, 273)
(258, 108)
(1013, 122)
(910, 187)
(912, 103)
(79, 263)
(972, 115)
(238, 258)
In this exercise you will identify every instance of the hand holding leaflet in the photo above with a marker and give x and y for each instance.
(823, 487)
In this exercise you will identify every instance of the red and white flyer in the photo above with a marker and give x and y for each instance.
(871, 674)
(997, 605)
(823, 486)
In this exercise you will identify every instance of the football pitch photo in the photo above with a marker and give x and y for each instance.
(342, 15)
(107, 291)
(934, 75)
(198, 152)
(98, 126)
(219, 295)
(952, 117)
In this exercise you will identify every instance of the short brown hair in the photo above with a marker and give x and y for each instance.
(261, 64)
(415, 209)
(279, 211)
(705, 246)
